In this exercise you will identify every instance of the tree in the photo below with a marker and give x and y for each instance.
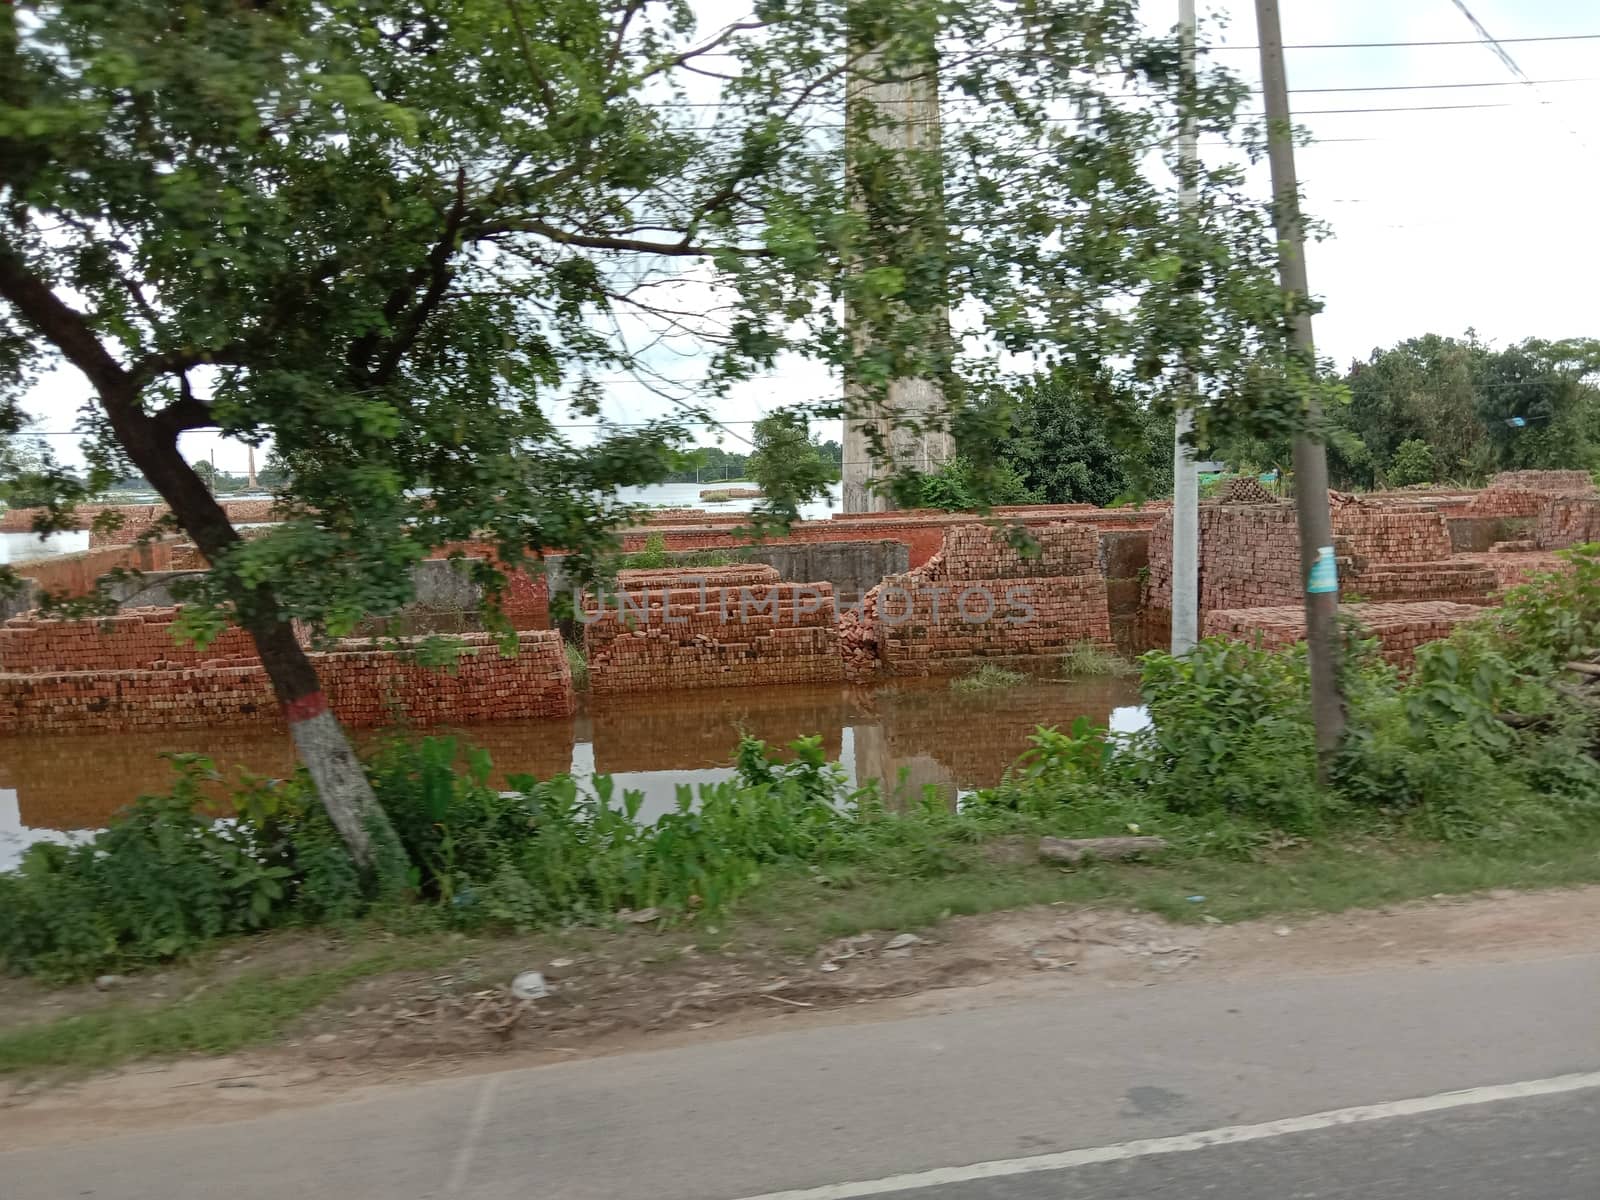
(1423, 389)
(786, 460)
(399, 239)
(208, 475)
(1539, 405)
(1412, 463)
(1076, 438)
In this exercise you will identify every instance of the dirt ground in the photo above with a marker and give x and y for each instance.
(653, 989)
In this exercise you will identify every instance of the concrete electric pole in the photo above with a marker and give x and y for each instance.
(896, 108)
(1185, 481)
(1317, 563)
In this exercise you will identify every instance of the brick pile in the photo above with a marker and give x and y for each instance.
(1513, 567)
(1399, 628)
(1249, 557)
(367, 686)
(1527, 493)
(979, 598)
(1380, 535)
(136, 639)
(1568, 521)
(667, 578)
(1460, 580)
(125, 690)
(745, 636)
(1561, 483)
(858, 638)
(1247, 490)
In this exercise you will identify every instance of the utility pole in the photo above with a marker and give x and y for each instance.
(895, 107)
(1185, 481)
(1315, 521)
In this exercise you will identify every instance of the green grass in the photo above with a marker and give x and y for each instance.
(1313, 879)
(1086, 659)
(797, 913)
(987, 677)
(245, 1011)
(579, 665)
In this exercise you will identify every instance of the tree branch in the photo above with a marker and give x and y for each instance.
(438, 273)
(593, 241)
(64, 326)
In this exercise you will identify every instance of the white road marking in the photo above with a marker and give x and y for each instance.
(1227, 1136)
(469, 1141)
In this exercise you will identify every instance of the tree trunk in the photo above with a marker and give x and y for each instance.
(319, 740)
(151, 443)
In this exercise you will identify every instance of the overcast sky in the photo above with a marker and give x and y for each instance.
(1443, 219)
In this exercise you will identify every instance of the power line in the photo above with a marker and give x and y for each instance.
(668, 105)
(1478, 41)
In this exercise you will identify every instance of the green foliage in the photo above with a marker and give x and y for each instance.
(579, 666)
(1087, 659)
(1076, 437)
(787, 462)
(1477, 743)
(1230, 732)
(655, 555)
(988, 677)
(963, 486)
(163, 879)
(1412, 463)
(1477, 410)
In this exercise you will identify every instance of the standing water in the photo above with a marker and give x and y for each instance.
(25, 547)
(907, 734)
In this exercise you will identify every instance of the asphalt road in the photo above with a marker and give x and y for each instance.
(1467, 1082)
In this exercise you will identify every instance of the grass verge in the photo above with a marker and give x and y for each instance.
(251, 1009)
(795, 912)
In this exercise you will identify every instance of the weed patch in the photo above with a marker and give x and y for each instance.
(988, 677)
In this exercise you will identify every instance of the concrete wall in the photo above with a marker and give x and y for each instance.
(852, 568)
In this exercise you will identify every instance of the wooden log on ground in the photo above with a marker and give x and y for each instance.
(1075, 850)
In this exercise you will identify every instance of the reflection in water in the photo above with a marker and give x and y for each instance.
(909, 734)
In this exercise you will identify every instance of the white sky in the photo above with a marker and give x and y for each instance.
(1442, 219)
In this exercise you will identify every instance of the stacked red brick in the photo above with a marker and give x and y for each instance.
(711, 627)
(1526, 493)
(135, 640)
(979, 597)
(1399, 628)
(1404, 554)
(1249, 557)
(1568, 521)
(129, 673)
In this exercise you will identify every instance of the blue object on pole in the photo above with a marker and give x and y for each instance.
(1324, 573)
(1517, 422)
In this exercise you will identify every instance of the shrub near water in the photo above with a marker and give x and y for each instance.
(165, 878)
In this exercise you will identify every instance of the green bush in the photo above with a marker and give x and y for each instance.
(166, 877)
(1412, 463)
(163, 879)
(1230, 732)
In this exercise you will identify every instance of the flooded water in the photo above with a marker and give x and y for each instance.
(908, 734)
(25, 547)
(687, 495)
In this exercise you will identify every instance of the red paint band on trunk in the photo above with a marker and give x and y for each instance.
(305, 708)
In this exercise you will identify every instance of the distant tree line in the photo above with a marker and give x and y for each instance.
(1446, 410)
(1429, 410)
